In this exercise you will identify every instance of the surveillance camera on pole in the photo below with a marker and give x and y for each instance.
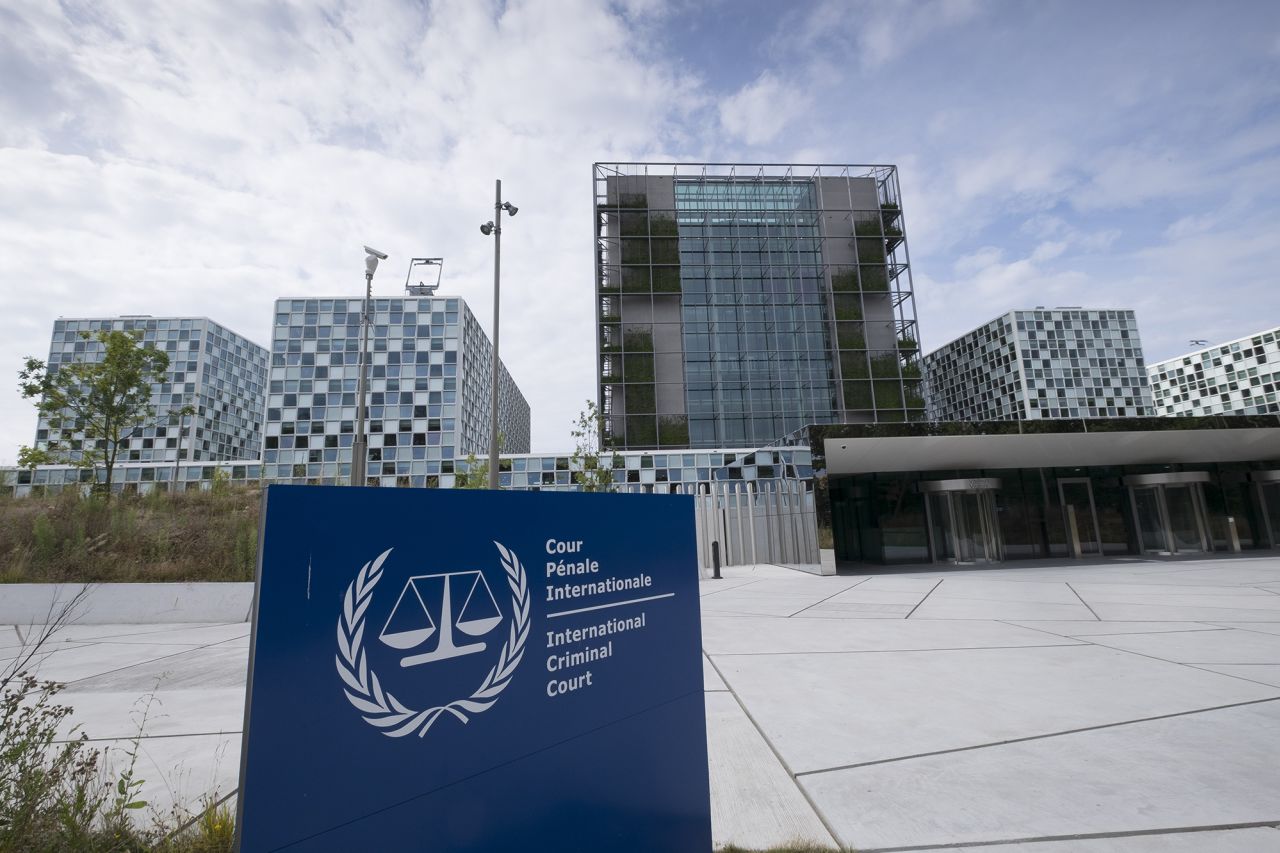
(359, 453)
(372, 256)
(494, 227)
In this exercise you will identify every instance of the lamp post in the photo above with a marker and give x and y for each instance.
(494, 227)
(177, 456)
(359, 450)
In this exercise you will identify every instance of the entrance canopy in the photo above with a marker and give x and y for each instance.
(865, 455)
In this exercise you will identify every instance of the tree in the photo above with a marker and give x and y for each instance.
(475, 477)
(106, 401)
(590, 470)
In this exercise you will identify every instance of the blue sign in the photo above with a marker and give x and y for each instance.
(472, 671)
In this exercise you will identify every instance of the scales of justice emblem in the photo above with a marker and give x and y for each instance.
(431, 606)
(460, 601)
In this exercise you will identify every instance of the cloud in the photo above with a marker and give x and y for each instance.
(240, 155)
(762, 109)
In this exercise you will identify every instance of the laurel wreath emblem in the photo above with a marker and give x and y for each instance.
(382, 710)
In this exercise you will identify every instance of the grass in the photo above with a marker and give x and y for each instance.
(188, 536)
(56, 796)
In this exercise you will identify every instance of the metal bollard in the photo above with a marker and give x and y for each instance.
(715, 561)
(1233, 535)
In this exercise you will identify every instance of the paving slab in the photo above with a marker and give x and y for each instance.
(761, 605)
(1088, 628)
(89, 633)
(1211, 769)
(862, 594)
(761, 635)
(1227, 646)
(712, 587)
(1264, 627)
(828, 710)
(218, 666)
(74, 661)
(1251, 840)
(118, 603)
(860, 611)
(944, 607)
(1227, 599)
(711, 679)
(1267, 673)
(109, 715)
(754, 801)
(990, 589)
(198, 635)
(1128, 591)
(1158, 612)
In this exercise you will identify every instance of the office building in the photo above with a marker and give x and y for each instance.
(1240, 377)
(1044, 363)
(985, 492)
(217, 372)
(428, 395)
(738, 303)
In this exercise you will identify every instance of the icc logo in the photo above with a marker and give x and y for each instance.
(436, 617)
(410, 624)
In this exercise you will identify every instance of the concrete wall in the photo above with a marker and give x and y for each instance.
(126, 603)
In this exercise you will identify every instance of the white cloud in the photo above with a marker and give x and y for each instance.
(762, 109)
(239, 156)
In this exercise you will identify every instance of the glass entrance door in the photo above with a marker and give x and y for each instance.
(1270, 506)
(1169, 512)
(963, 527)
(1186, 519)
(1076, 496)
(1149, 520)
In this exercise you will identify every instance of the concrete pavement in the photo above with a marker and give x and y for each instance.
(1126, 706)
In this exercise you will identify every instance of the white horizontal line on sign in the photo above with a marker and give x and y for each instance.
(611, 604)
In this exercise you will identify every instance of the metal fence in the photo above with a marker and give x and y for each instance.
(765, 521)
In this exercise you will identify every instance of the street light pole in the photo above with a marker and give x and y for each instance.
(493, 380)
(359, 449)
(494, 227)
(177, 456)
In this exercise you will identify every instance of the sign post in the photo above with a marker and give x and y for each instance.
(475, 671)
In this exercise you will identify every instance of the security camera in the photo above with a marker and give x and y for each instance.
(382, 256)
(486, 229)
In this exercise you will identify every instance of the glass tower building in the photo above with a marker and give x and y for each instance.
(429, 371)
(1059, 363)
(737, 303)
(218, 373)
(1240, 377)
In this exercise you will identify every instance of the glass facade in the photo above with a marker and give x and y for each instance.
(1210, 500)
(1058, 363)
(900, 517)
(428, 393)
(1240, 377)
(218, 373)
(662, 473)
(753, 309)
(739, 303)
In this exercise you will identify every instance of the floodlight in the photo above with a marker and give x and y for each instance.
(509, 208)
(486, 229)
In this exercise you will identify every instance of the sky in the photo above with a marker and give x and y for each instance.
(202, 159)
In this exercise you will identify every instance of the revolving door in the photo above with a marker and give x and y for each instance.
(1267, 484)
(1169, 513)
(961, 519)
